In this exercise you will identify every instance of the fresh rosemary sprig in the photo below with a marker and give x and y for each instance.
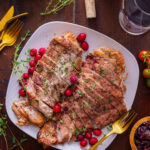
(55, 5)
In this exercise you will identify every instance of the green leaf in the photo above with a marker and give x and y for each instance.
(13, 139)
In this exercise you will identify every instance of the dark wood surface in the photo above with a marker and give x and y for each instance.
(106, 22)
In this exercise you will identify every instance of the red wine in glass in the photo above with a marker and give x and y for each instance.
(134, 16)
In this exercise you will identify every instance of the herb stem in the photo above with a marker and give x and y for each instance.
(6, 142)
(60, 4)
(15, 137)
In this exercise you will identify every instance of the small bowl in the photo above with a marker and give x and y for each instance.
(132, 134)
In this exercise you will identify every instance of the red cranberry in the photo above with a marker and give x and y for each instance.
(81, 37)
(97, 132)
(32, 63)
(73, 79)
(83, 143)
(37, 58)
(93, 141)
(25, 75)
(80, 137)
(57, 108)
(33, 52)
(68, 92)
(42, 51)
(31, 70)
(22, 92)
(23, 82)
(88, 135)
(85, 46)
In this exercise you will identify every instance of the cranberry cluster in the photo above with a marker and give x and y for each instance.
(81, 39)
(37, 56)
(87, 137)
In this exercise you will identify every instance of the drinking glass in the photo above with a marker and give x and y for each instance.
(134, 16)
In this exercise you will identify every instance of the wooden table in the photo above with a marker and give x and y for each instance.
(106, 22)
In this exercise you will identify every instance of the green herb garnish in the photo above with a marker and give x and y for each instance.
(101, 69)
(37, 101)
(55, 5)
(103, 74)
(46, 86)
(66, 70)
(104, 109)
(73, 64)
(61, 121)
(86, 81)
(39, 69)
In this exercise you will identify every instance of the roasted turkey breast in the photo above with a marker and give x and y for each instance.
(98, 96)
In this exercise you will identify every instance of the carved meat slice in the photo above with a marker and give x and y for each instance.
(26, 114)
(47, 135)
(52, 75)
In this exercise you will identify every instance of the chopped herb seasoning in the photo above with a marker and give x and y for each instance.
(80, 71)
(58, 57)
(109, 71)
(66, 70)
(103, 74)
(89, 104)
(37, 101)
(45, 93)
(51, 67)
(48, 71)
(90, 87)
(54, 74)
(108, 101)
(109, 94)
(61, 121)
(45, 80)
(80, 131)
(46, 86)
(73, 65)
(75, 112)
(83, 129)
(89, 100)
(59, 68)
(101, 69)
(113, 80)
(40, 69)
(84, 94)
(56, 86)
(104, 109)
(80, 93)
(62, 63)
(83, 106)
(94, 85)
(77, 131)
(86, 81)
(46, 134)
(71, 116)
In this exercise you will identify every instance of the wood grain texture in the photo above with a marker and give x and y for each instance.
(106, 22)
